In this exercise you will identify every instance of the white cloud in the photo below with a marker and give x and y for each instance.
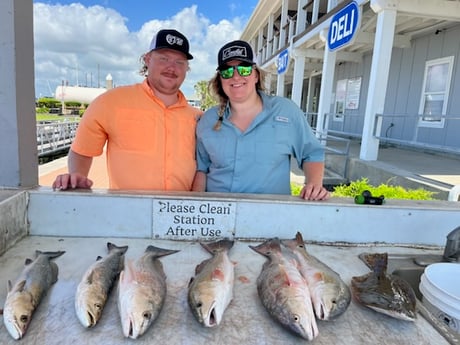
(84, 44)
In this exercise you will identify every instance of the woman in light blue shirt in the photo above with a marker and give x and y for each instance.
(245, 144)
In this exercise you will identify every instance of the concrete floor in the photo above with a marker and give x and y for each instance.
(245, 321)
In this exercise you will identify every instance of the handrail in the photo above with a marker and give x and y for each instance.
(55, 136)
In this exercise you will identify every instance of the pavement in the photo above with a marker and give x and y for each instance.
(408, 167)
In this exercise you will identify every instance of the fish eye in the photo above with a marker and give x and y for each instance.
(24, 318)
(98, 306)
(199, 305)
(296, 318)
(147, 315)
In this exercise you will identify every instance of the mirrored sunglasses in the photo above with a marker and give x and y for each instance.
(244, 71)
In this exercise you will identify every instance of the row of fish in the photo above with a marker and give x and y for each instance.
(294, 287)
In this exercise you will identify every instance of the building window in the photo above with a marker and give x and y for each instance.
(435, 92)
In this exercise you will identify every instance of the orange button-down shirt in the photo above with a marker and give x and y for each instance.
(149, 145)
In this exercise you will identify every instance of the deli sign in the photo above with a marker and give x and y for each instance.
(344, 25)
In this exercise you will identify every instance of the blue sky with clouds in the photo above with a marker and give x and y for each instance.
(81, 42)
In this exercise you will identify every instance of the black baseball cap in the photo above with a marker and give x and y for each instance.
(235, 50)
(171, 39)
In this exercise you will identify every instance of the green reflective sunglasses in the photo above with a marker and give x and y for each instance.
(244, 71)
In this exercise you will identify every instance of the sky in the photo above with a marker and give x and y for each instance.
(81, 42)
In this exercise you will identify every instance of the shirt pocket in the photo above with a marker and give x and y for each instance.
(221, 150)
(276, 145)
(136, 131)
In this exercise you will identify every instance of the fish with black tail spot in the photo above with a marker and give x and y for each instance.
(284, 291)
(142, 291)
(96, 284)
(329, 293)
(211, 289)
(26, 293)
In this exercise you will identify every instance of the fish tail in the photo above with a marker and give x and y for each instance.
(159, 252)
(299, 238)
(218, 246)
(50, 255)
(377, 262)
(268, 247)
(111, 247)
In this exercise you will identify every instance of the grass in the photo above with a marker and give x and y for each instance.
(55, 117)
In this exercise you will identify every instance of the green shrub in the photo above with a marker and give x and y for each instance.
(390, 192)
(359, 186)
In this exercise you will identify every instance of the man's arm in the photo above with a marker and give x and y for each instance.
(199, 182)
(77, 177)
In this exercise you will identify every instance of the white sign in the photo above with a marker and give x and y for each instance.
(192, 219)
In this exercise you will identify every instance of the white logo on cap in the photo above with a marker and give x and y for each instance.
(171, 39)
(234, 51)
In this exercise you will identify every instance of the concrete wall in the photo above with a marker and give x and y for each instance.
(191, 216)
(13, 219)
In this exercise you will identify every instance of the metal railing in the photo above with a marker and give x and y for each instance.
(410, 130)
(55, 136)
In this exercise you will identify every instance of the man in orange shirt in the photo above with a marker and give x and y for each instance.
(148, 128)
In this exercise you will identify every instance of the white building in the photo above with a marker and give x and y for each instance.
(395, 81)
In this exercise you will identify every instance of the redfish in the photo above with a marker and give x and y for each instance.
(329, 293)
(211, 289)
(27, 292)
(284, 291)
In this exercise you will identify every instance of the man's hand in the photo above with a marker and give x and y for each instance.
(73, 181)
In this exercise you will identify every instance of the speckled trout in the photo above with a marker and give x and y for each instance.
(211, 290)
(25, 295)
(385, 293)
(284, 291)
(329, 293)
(142, 291)
(96, 284)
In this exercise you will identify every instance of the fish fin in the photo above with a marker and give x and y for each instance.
(50, 255)
(159, 252)
(99, 258)
(200, 266)
(300, 241)
(299, 238)
(285, 275)
(191, 281)
(89, 279)
(10, 285)
(218, 246)
(28, 261)
(377, 262)
(268, 247)
(111, 246)
(19, 287)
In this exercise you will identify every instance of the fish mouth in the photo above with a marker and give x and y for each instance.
(91, 320)
(131, 330)
(14, 330)
(212, 319)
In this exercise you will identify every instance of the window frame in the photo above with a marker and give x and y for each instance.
(436, 120)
